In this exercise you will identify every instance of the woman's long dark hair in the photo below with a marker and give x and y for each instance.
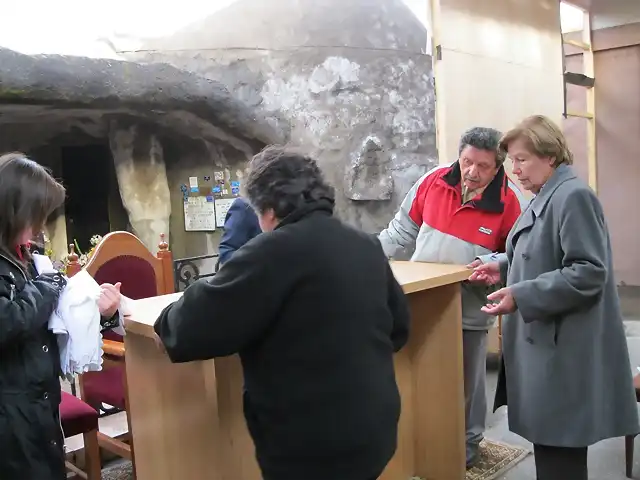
(28, 196)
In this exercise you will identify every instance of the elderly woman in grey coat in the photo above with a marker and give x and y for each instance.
(565, 374)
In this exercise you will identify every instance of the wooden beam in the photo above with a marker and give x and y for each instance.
(606, 38)
(589, 71)
(575, 43)
(587, 115)
(435, 20)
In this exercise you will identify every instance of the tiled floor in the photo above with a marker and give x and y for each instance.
(606, 459)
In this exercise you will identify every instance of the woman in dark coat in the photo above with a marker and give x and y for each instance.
(313, 309)
(566, 376)
(31, 438)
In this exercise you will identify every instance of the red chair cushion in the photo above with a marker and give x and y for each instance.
(137, 276)
(105, 386)
(76, 416)
(138, 280)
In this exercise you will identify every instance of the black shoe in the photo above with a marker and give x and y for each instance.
(473, 455)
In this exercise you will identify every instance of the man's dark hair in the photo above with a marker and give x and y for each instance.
(483, 138)
(284, 179)
(28, 196)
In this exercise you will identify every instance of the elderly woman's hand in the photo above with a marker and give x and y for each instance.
(487, 273)
(109, 300)
(502, 302)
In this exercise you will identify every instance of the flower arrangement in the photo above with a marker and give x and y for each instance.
(83, 258)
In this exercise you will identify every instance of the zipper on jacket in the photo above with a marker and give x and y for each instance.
(64, 439)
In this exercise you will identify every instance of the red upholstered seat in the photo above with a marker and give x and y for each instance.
(138, 281)
(106, 386)
(76, 416)
(136, 275)
(121, 257)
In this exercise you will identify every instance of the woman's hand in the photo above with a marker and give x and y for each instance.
(487, 273)
(502, 302)
(158, 341)
(109, 300)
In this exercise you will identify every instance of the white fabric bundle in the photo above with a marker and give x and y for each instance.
(76, 321)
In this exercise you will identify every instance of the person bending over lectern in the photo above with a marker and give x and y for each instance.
(316, 314)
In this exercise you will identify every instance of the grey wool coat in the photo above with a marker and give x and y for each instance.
(565, 376)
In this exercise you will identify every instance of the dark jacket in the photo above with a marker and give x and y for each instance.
(240, 226)
(316, 314)
(31, 439)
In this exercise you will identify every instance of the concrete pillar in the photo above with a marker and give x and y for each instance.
(142, 179)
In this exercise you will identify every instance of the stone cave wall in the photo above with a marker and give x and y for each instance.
(187, 158)
(151, 167)
(150, 164)
(368, 116)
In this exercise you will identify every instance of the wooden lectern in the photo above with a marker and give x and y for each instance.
(187, 419)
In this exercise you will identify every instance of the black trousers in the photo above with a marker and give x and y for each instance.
(560, 463)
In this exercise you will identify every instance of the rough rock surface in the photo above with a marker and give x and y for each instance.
(48, 101)
(142, 180)
(155, 90)
(348, 80)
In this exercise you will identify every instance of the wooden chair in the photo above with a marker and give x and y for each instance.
(121, 257)
(76, 417)
(629, 440)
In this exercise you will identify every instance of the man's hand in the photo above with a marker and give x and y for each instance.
(487, 273)
(109, 300)
(476, 263)
(502, 302)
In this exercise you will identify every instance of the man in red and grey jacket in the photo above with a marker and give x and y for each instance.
(454, 214)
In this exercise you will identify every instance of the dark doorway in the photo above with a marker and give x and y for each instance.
(86, 176)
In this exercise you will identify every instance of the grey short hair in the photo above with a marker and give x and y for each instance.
(483, 138)
(284, 179)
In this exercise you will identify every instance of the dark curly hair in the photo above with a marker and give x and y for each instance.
(285, 179)
(483, 138)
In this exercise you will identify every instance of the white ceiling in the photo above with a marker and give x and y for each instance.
(605, 13)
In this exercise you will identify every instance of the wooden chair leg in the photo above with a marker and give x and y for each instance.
(92, 462)
(629, 441)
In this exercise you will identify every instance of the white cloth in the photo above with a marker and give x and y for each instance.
(76, 321)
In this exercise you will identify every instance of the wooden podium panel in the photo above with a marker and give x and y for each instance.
(187, 419)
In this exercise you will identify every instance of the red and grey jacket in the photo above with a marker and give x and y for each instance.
(433, 225)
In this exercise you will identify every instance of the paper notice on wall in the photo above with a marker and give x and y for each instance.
(193, 184)
(222, 207)
(199, 214)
